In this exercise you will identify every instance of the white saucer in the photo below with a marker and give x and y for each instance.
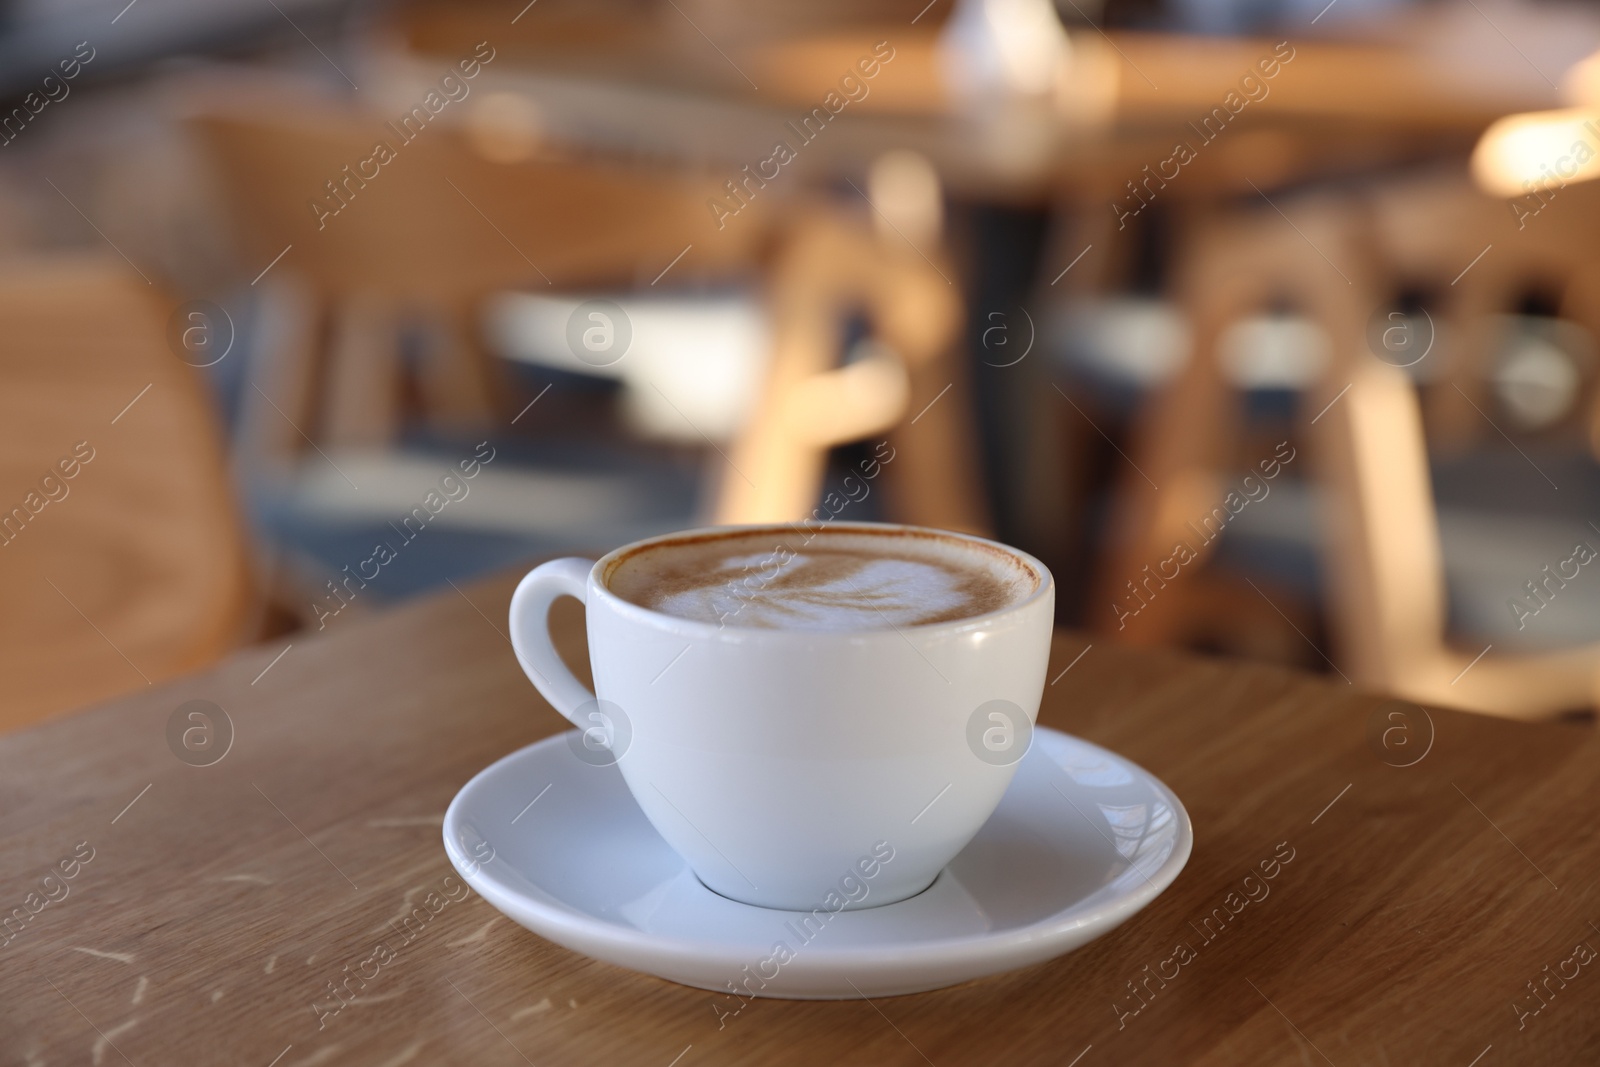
(1082, 840)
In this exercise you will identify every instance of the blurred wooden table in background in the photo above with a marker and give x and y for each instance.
(633, 87)
(1417, 903)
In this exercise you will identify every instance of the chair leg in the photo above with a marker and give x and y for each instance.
(1185, 433)
(363, 386)
(455, 376)
(278, 399)
(830, 267)
(934, 478)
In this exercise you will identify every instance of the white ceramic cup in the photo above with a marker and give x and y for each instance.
(777, 761)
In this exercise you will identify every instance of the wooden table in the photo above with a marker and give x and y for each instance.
(221, 901)
(657, 90)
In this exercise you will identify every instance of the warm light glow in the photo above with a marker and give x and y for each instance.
(1581, 84)
(504, 127)
(1537, 152)
(1087, 87)
(904, 187)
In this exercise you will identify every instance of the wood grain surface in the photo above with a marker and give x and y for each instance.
(1412, 912)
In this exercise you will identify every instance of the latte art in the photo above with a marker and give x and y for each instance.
(840, 581)
(831, 591)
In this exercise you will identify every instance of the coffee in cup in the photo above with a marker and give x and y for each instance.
(839, 580)
(784, 701)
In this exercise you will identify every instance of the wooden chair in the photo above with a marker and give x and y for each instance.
(1425, 232)
(441, 228)
(1428, 229)
(122, 563)
(426, 239)
(1386, 570)
(1185, 439)
(1382, 559)
(808, 405)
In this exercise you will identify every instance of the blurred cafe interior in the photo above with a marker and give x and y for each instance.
(1269, 325)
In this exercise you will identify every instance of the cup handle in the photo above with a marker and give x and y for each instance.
(530, 631)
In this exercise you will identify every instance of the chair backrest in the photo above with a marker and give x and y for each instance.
(441, 226)
(362, 207)
(1234, 265)
(808, 405)
(1381, 551)
(122, 562)
(1475, 258)
(420, 240)
(1380, 537)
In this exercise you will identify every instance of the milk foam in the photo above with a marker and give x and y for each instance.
(838, 582)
